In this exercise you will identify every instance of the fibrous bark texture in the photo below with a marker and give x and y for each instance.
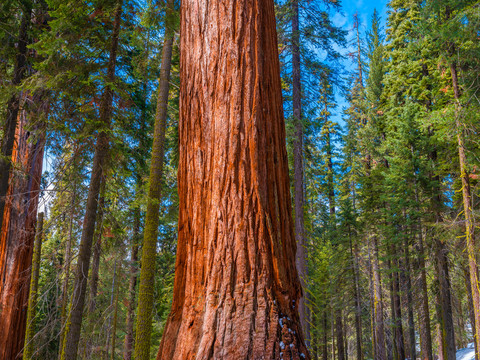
(13, 108)
(236, 286)
(18, 234)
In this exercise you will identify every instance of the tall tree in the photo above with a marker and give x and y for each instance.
(33, 294)
(301, 261)
(13, 105)
(236, 287)
(149, 248)
(17, 233)
(454, 21)
(69, 351)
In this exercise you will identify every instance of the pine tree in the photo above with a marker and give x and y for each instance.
(74, 324)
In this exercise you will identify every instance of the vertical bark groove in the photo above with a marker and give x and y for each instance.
(13, 109)
(18, 234)
(236, 287)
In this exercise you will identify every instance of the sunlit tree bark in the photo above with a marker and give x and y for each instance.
(18, 234)
(236, 286)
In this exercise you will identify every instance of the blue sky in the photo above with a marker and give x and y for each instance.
(344, 19)
(363, 7)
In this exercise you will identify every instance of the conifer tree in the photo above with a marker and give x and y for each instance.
(74, 324)
(145, 295)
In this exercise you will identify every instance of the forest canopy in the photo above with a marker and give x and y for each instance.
(239, 179)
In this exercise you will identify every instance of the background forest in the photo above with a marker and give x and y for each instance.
(382, 135)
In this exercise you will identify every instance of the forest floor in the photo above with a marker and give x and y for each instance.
(466, 354)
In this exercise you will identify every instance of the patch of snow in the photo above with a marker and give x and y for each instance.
(467, 353)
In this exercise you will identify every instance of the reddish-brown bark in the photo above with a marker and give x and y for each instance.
(236, 285)
(18, 234)
(13, 107)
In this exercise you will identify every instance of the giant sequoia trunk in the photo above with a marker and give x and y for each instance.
(13, 108)
(18, 234)
(236, 287)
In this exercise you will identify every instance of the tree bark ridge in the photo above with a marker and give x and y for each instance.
(236, 287)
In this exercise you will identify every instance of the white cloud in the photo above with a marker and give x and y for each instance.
(339, 19)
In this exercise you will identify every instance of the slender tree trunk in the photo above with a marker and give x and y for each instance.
(440, 337)
(380, 350)
(424, 311)
(471, 311)
(397, 307)
(13, 108)
(339, 334)
(129, 336)
(236, 285)
(32, 297)
(97, 250)
(17, 234)
(114, 326)
(408, 284)
(356, 296)
(332, 320)
(345, 336)
(325, 335)
(331, 202)
(445, 301)
(372, 298)
(112, 305)
(93, 283)
(472, 248)
(136, 238)
(356, 26)
(426, 351)
(301, 259)
(149, 249)
(393, 329)
(99, 162)
(66, 268)
(447, 344)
